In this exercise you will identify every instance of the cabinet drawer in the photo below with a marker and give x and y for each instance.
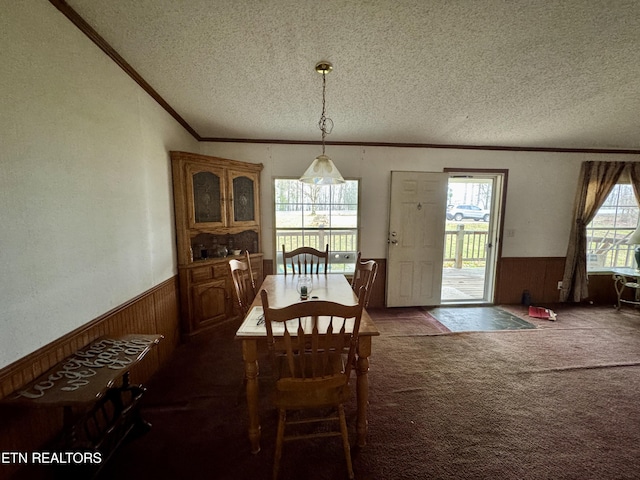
(201, 274)
(221, 271)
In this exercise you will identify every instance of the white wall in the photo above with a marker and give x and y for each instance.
(85, 183)
(540, 191)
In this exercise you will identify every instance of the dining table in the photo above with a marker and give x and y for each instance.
(282, 291)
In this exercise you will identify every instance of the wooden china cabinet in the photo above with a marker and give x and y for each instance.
(217, 212)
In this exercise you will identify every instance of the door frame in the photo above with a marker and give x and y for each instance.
(501, 203)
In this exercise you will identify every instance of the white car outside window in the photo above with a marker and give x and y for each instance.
(461, 212)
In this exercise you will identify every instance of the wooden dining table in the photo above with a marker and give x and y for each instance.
(282, 291)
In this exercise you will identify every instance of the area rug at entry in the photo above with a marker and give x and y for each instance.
(478, 319)
(406, 322)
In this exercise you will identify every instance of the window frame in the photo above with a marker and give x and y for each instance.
(617, 249)
(347, 259)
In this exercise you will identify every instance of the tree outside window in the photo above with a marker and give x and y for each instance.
(313, 216)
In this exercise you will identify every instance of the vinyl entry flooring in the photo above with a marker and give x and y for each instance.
(474, 319)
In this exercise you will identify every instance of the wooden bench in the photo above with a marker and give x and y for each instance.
(99, 405)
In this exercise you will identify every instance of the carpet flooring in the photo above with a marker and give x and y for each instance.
(556, 402)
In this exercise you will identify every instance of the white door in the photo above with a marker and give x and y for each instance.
(416, 238)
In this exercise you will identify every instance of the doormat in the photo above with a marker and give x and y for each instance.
(478, 319)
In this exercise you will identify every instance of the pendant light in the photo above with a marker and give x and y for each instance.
(322, 171)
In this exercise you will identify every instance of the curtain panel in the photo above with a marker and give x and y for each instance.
(596, 181)
(634, 175)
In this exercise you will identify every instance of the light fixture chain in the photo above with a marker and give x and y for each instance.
(323, 118)
(322, 171)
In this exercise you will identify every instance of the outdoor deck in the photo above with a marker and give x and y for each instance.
(462, 284)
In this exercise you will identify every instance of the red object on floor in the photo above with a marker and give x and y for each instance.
(541, 312)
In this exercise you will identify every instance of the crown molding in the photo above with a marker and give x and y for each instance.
(88, 30)
(95, 37)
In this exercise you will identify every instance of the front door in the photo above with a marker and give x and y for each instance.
(416, 238)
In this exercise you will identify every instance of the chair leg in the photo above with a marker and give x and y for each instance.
(282, 418)
(345, 440)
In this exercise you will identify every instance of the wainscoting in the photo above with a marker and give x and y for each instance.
(538, 275)
(602, 290)
(155, 311)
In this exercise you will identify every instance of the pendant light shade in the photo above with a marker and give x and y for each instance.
(322, 171)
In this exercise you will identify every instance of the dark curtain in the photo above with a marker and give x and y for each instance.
(634, 175)
(596, 181)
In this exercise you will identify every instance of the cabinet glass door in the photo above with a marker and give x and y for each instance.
(207, 192)
(206, 197)
(244, 198)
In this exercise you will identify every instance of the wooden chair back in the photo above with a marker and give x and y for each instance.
(243, 282)
(306, 260)
(312, 336)
(364, 276)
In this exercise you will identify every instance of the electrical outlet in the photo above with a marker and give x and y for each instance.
(560, 285)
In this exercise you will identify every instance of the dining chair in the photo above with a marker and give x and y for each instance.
(245, 287)
(364, 275)
(311, 372)
(244, 283)
(307, 260)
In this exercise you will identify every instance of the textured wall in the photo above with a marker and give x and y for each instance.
(85, 185)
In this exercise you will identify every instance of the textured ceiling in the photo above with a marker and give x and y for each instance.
(519, 73)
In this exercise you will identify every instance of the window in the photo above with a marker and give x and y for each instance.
(313, 215)
(609, 230)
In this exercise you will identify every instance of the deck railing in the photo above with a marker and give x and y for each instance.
(343, 245)
(606, 247)
(461, 246)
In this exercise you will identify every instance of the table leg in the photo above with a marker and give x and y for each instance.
(362, 388)
(618, 283)
(251, 371)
